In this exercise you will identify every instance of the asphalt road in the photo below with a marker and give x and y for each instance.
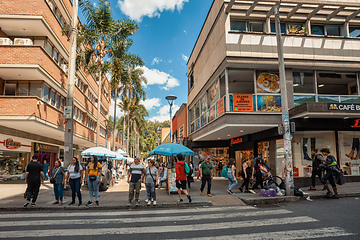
(320, 219)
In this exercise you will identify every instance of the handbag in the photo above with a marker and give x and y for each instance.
(52, 179)
(92, 178)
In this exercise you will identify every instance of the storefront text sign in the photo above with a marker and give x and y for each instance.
(220, 107)
(343, 106)
(39, 147)
(236, 141)
(356, 123)
(243, 103)
(10, 144)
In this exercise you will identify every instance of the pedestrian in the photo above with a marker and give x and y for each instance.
(74, 178)
(136, 175)
(246, 175)
(93, 177)
(330, 165)
(257, 168)
(220, 168)
(151, 182)
(262, 161)
(189, 175)
(34, 176)
(181, 177)
(206, 176)
(198, 176)
(58, 174)
(231, 174)
(316, 170)
(46, 169)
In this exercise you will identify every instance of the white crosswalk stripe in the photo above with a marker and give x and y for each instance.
(239, 222)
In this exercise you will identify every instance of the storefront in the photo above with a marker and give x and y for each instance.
(14, 156)
(219, 157)
(46, 152)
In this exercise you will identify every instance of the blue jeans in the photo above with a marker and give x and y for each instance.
(75, 188)
(232, 182)
(329, 176)
(93, 187)
(46, 175)
(58, 190)
(150, 191)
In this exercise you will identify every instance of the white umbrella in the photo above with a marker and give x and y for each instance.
(122, 152)
(130, 160)
(120, 157)
(99, 151)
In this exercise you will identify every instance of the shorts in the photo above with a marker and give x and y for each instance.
(182, 185)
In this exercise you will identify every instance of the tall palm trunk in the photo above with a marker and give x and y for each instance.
(128, 134)
(98, 111)
(113, 140)
(123, 132)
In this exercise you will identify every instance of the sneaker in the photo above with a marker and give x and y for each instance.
(89, 203)
(149, 203)
(128, 204)
(241, 189)
(201, 192)
(229, 191)
(189, 198)
(180, 200)
(146, 200)
(97, 203)
(252, 191)
(137, 203)
(72, 203)
(209, 195)
(79, 203)
(33, 204)
(154, 203)
(26, 204)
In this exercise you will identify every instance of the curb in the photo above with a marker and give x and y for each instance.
(104, 207)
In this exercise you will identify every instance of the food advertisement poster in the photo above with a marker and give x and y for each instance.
(214, 92)
(269, 103)
(267, 82)
(243, 103)
(204, 119)
(211, 113)
(171, 179)
(220, 107)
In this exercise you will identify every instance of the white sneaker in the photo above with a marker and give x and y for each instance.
(154, 203)
(148, 203)
(252, 191)
(146, 200)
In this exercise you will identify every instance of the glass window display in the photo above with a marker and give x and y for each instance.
(349, 148)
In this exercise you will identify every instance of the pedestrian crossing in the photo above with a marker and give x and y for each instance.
(220, 223)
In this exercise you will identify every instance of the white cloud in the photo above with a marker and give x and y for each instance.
(137, 9)
(118, 110)
(155, 76)
(156, 61)
(185, 32)
(150, 103)
(184, 57)
(164, 113)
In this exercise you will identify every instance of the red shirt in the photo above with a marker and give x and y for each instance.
(180, 171)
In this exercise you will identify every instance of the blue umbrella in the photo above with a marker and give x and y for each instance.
(99, 151)
(169, 149)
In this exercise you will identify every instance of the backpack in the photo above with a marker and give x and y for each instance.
(187, 168)
(224, 172)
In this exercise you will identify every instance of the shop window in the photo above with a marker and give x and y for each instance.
(52, 98)
(35, 89)
(23, 89)
(46, 93)
(354, 31)
(241, 81)
(349, 151)
(238, 26)
(256, 26)
(282, 27)
(10, 89)
(303, 82)
(335, 83)
(317, 30)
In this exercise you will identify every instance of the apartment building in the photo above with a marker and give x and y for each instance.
(234, 99)
(33, 86)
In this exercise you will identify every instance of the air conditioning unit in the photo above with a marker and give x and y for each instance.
(5, 41)
(23, 41)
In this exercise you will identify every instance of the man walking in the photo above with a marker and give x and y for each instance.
(262, 161)
(181, 177)
(316, 171)
(34, 176)
(206, 176)
(136, 175)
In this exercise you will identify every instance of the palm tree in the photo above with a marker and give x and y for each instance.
(100, 34)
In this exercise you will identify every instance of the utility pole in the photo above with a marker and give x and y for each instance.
(69, 124)
(289, 179)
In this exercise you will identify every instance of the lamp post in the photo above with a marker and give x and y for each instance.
(170, 99)
(289, 179)
(106, 131)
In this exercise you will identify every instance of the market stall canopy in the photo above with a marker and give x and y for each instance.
(99, 152)
(119, 156)
(130, 160)
(169, 149)
(122, 152)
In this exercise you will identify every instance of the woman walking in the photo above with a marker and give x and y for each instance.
(151, 181)
(231, 175)
(257, 168)
(46, 169)
(93, 179)
(74, 178)
(59, 181)
(245, 174)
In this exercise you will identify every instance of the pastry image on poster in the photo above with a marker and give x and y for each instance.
(268, 83)
(214, 92)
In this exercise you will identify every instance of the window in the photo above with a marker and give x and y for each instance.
(304, 82)
(282, 27)
(56, 56)
(333, 30)
(317, 30)
(35, 89)
(10, 89)
(335, 83)
(354, 31)
(52, 99)
(102, 131)
(62, 104)
(102, 111)
(46, 93)
(191, 81)
(90, 123)
(23, 89)
(238, 26)
(48, 47)
(241, 81)
(256, 27)
(57, 99)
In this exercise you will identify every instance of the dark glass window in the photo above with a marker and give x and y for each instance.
(354, 31)
(282, 27)
(238, 26)
(317, 29)
(333, 30)
(256, 27)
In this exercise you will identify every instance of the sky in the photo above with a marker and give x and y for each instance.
(167, 35)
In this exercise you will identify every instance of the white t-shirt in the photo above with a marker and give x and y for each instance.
(73, 174)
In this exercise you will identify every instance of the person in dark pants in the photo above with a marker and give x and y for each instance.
(74, 178)
(316, 170)
(34, 176)
(330, 163)
(206, 176)
(257, 174)
(246, 175)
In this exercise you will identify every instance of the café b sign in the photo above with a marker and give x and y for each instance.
(344, 107)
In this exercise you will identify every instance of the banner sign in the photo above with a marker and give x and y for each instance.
(343, 106)
(39, 147)
(10, 144)
(243, 103)
(220, 107)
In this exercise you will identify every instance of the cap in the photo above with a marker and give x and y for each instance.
(138, 158)
(259, 153)
(208, 157)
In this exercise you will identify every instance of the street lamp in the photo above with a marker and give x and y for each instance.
(106, 131)
(170, 99)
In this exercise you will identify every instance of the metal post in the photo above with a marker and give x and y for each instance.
(289, 180)
(170, 122)
(170, 99)
(69, 125)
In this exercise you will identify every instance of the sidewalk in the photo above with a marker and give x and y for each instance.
(11, 196)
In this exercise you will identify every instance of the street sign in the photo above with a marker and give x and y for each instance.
(67, 112)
